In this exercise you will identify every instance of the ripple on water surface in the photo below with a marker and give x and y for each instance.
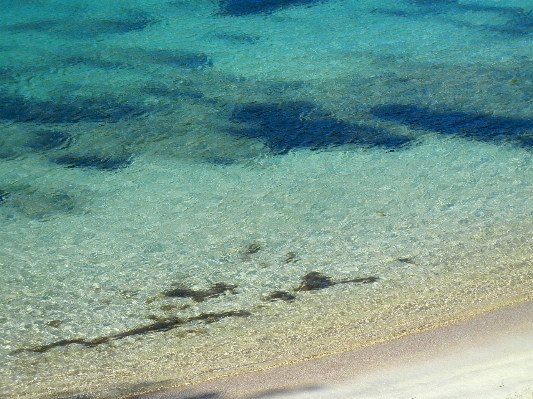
(189, 190)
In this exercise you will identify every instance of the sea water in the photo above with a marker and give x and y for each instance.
(191, 189)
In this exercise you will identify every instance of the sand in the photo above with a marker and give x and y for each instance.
(488, 357)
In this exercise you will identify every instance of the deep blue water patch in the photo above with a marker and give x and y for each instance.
(94, 161)
(293, 125)
(20, 109)
(250, 7)
(180, 59)
(482, 127)
(48, 140)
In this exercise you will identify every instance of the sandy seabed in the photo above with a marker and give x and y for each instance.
(490, 356)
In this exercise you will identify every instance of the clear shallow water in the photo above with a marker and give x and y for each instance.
(151, 150)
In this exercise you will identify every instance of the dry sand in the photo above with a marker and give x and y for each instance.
(488, 357)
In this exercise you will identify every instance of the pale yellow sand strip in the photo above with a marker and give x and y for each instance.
(488, 357)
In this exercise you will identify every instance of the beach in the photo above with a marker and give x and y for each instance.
(490, 356)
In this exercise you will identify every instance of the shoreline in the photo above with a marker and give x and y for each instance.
(489, 356)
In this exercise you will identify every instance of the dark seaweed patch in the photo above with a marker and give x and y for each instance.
(92, 28)
(406, 259)
(54, 323)
(288, 126)
(3, 195)
(131, 21)
(94, 62)
(102, 162)
(48, 140)
(250, 7)
(290, 257)
(161, 325)
(252, 248)
(37, 26)
(280, 295)
(316, 281)
(214, 291)
(238, 38)
(220, 161)
(518, 22)
(480, 127)
(180, 59)
(20, 109)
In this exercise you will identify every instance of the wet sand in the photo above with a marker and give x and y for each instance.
(490, 356)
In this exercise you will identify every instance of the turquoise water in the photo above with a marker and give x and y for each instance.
(196, 189)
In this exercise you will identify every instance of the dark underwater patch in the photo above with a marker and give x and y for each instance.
(519, 21)
(316, 281)
(164, 91)
(251, 7)
(20, 109)
(48, 140)
(480, 127)
(102, 162)
(280, 295)
(293, 125)
(238, 38)
(130, 21)
(96, 63)
(220, 161)
(35, 204)
(180, 59)
(214, 291)
(161, 325)
(3, 195)
(36, 26)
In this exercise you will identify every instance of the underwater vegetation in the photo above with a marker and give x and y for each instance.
(287, 126)
(214, 291)
(163, 324)
(313, 281)
(487, 128)
(96, 161)
(38, 204)
(515, 21)
(3, 195)
(170, 92)
(44, 140)
(317, 281)
(281, 295)
(130, 21)
(96, 62)
(250, 7)
(310, 282)
(20, 109)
